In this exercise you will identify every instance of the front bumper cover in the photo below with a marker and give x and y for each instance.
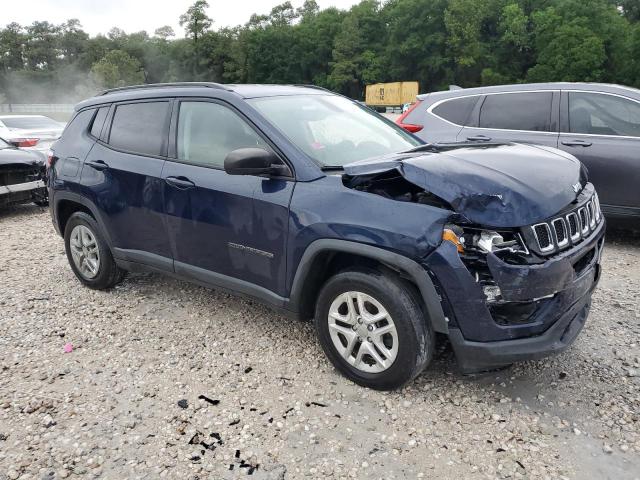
(481, 343)
(479, 356)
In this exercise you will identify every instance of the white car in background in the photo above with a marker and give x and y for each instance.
(30, 132)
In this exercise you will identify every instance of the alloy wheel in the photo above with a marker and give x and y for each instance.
(363, 332)
(84, 251)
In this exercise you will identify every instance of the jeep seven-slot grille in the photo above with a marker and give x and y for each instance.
(572, 227)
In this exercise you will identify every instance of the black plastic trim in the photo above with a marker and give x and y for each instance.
(415, 271)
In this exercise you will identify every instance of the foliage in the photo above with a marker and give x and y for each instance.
(117, 68)
(437, 42)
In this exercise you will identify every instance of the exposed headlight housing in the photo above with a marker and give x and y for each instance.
(468, 240)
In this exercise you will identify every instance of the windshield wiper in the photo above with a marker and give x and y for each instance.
(427, 147)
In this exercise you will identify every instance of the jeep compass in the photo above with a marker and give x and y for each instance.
(320, 207)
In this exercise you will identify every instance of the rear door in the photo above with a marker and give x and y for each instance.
(525, 117)
(224, 229)
(122, 175)
(603, 131)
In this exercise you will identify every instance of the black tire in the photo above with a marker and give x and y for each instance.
(109, 274)
(416, 340)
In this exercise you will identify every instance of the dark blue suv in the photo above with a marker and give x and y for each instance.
(314, 204)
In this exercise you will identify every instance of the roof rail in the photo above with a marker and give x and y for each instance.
(311, 86)
(163, 85)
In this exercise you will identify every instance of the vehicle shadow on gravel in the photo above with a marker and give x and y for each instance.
(12, 211)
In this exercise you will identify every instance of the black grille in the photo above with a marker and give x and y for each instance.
(569, 229)
(584, 220)
(542, 234)
(561, 231)
(573, 225)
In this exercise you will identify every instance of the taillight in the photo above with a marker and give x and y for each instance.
(51, 158)
(24, 142)
(409, 127)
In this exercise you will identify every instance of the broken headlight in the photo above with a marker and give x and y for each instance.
(470, 240)
(473, 245)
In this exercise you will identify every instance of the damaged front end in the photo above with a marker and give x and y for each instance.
(22, 176)
(519, 259)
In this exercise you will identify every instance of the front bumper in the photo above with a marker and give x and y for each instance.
(558, 290)
(22, 192)
(479, 356)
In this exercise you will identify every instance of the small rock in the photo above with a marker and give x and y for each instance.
(607, 449)
(183, 403)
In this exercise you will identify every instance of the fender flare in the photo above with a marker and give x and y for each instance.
(414, 270)
(76, 198)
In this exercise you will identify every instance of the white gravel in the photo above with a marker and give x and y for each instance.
(110, 408)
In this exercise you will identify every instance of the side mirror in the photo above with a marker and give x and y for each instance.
(254, 161)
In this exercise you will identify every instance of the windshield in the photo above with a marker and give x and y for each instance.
(31, 123)
(333, 130)
(3, 144)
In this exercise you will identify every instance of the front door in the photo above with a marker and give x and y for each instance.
(603, 132)
(224, 229)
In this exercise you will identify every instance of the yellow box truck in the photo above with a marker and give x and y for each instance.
(391, 94)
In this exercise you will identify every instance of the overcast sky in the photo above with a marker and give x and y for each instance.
(99, 16)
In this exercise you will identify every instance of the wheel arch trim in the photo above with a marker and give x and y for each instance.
(414, 270)
(79, 199)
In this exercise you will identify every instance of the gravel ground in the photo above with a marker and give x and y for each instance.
(172, 380)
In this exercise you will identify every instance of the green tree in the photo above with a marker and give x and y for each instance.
(164, 33)
(195, 20)
(117, 69)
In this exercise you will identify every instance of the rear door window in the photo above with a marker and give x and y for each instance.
(140, 127)
(530, 111)
(456, 110)
(602, 114)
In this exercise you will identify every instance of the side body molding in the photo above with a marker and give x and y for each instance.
(417, 273)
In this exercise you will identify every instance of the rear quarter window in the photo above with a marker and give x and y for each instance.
(456, 110)
(140, 127)
(98, 121)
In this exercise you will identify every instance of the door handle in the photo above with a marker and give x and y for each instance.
(479, 138)
(576, 143)
(182, 183)
(97, 165)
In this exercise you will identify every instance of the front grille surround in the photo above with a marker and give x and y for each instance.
(542, 232)
(564, 230)
(560, 230)
(574, 226)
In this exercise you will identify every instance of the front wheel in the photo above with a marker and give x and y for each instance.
(372, 328)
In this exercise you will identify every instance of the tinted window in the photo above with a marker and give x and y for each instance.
(207, 132)
(139, 127)
(457, 110)
(603, 114)
(78, 125)
(517, 111)
(98, 121)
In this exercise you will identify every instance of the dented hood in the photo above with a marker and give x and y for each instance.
(497, 185)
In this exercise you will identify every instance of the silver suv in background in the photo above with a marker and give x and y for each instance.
(597, 123)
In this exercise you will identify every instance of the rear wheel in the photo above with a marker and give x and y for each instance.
(88, 254)
(373, 329)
